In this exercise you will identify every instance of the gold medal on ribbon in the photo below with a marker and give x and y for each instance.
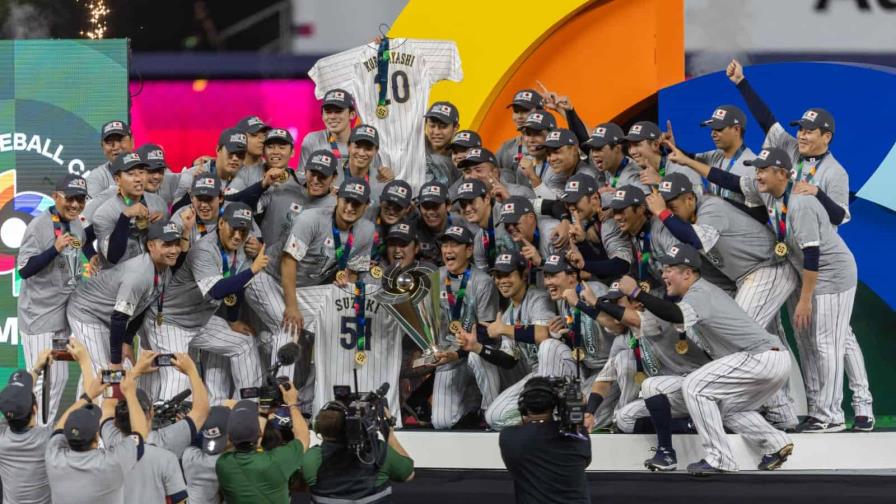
(283, 177)
(681, 347)
(382, 111)
(159, 319)
(644, 286)
(578, 353)
(340, 276)
(75, 243)
(640, 376)
(230, 300)
(360, 358)
(455, 327)
(780, 249)
(376, 272)
(141, 222)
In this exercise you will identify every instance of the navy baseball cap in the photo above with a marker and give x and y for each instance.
(397, 191)
(17, 398)
(238, 215)
(339, 98)
(164, 230)
(279, 135)
(242, 426)
(72, 185)
(433, 191)
(459, 234)
(443, 111)
(539, 120)
(771, 156)
(477, 155)
(214, 430)
(815, 118)
(514, 208)
(115, 128)
(322, 161)
(613, 293)
(356, 189)
(559, 137)
(682, 254)
(508, 261)
(234, 140)
(470, 189)
(626, 196)
(153, 155)
(251, 124)
(724, 116)
(527, 99)
(674, 185)
(643, 130)
(206, 185)
(402, 232)
(605, 134)
(555, 263)
(466, 139)
(577, 187)
(83, 424)
(126, 161)
(365, 133)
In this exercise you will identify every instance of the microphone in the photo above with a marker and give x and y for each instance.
(180, 397)
(287, 354)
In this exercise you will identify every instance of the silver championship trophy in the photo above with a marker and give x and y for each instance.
(411, 295)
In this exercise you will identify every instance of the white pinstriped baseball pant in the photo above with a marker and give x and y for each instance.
(32, 346)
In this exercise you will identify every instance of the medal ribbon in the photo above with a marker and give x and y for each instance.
(544, 168)
(361, 314)
(718, 191)
(334, 146)
(812, 169)
(457, 303)
(533, 272)
(342, 250)
(201, 226)
(379, 245)
(519, 149)
(488, 240)
(382, 71)
(574, 322)
(160, 304)
(643, 254)
(227, 269)
(780, 224)
(58, 223)
(614, 180)
(347, 173)
(662, 168)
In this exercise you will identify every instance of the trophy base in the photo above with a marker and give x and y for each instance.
(428, 358)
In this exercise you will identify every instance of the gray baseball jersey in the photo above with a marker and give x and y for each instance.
(319, 140)
(657, 341)
(376, 187)
(716, 158)
(99, 179)
(166, 191)
(596, 340)
(553, 184)
(281, 204)
(480, 302)
(157, 474)
(661, 240)
(828, 174)
(311, 243)
(202, 480)
(95, 476)
(508, 156)
(693, 176)
(536, 308)
(174, 438)
(129, 288)
(628, 173)
(440, 167)
(43, 296)
(107, 215)
(96, 201)
(715, 322)
(248, 175)
(185, 182)
(22, 464)
(200, 227)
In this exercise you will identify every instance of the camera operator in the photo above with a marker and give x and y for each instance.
(249, 476)
(547, 465)
(336, 473)
(199, 460)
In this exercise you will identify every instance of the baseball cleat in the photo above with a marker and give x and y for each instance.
(863, 424)
(663, 460)
(775, 460)
(816, 426)
(703, 468)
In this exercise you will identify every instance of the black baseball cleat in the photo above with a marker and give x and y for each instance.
(703, 468)
(863, 424)
(663, 460)
(775, 460)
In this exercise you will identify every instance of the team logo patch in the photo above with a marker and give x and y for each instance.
(328, 242)
(443, 294)
(238, 138)
(572, 185)
(810, 115)
(336, 95)
(442, 109)
(254, 120)
(155, 155)
(171, 227)
(620, 195)
(614, 286)
(553, 260)
(278, 133)
(206, 182)
(466, 187)
(504, 258)
(474, 153)
(367, 131)
(295, 208)
(355, 189)
(133, 157)
(600, 132)
(673, 251)
(322, 159)
(463, 135)
(636, 130)
(666, 186)
(114, 125)
(404, 228)
(399, 191)
(536, 118)
(455, 230)
(434, 189)
(554, 135)
(508, 208)
(523, 96)
(77, 183)
(243, 214)
(763, 155)
(719, 113)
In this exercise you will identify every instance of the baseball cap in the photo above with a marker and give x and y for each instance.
(724, 116)
(459, 234)
(251, 124)
(401, 231)
(339, 98)
(280, 418)
(153, 155)
(238, 215)
(674, 185)
(443, 111)
(466, 139)
(82, 425)
(627, 196)
(540, 120)
(398, 192)
(115, 128)
(555, 263)
(242, 426)
(433, 191)
(234, 140)
(470, 189)
(682, 254)
(643, 130)
(72, 185)
(206, 185)
(477, 155)
(605, 134)
(614, 292)
(354, 188)
(214, 431)
(365, 133)
(528, 99)
(770, 156)
(17, 398)
(508, 261)
(164, 230)
(279, 135)
(577, 187)
(815, 118)
(559, 137)
(323, 161)
(126, 161)
(514, 208)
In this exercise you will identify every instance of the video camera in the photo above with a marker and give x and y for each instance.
(167, 413)
(570, 408)
(365, 417)
(268, 394)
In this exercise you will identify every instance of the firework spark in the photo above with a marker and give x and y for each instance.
(97, 11)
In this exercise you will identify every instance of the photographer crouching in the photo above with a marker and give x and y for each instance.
(547, 455)
(353, 462)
